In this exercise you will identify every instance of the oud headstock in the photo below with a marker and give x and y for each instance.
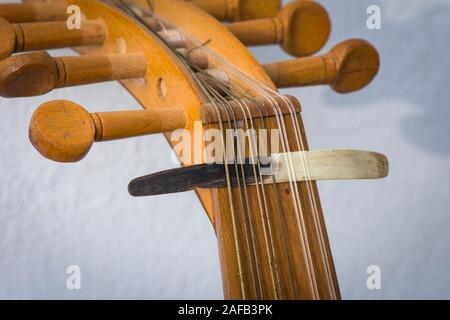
(190, 71)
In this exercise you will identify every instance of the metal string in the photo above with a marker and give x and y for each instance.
(243, 198)
(291, 173)
(213, 103)
(259, 185)
(285, 143)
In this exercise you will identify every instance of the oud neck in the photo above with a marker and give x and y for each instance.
(273, 242)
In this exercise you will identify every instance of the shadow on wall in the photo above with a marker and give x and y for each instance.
(415, 68)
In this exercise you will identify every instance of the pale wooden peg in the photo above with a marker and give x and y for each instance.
(153, 23)
(239, 10)
(220, 75)
(38, 73)
(32, 12)
(349, 66)
(197, 57)
(328, 165)
(301, 28)
(64, 131)
(174, 38)
(47, 35)
(221, 79)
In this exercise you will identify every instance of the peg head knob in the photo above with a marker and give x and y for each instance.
(306, 27)
(27, 75)
(357, 63)
(62, 131)
(8, 43)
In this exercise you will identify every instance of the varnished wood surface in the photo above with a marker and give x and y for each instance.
(64, 131)
(289, 258)
(259, 255)
(209, 115)
(248, 258)
(301, 28)
(50, 35)
(68, 145)
(180, 88)
(349, 66)
(31, 12)
(239, 10)
(37, 73)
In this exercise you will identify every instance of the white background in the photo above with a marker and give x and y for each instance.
(54, 215)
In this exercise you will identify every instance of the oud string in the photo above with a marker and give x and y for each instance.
(291, 172)
(261, 196)
(292, 177)
(313, 201)
(280, 121)
(293, 186)
(126, 8)
(268, 224)
(285, 139)
(224, 87)
(243, 199)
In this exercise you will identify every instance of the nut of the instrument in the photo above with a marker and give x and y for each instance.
(27, 75)
(62, 131)
(8, 43)
(306, 27)
(357, 62)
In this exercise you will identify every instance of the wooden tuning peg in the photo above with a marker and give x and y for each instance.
(64, 131)
(38, 73)
(239, 10)
(349, 66)
(47, 35)
(302, 28)
(31, 12)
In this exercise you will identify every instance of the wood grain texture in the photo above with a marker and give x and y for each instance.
(64, 131)
(8, 44)
(180, 87)
(239, 10)
(31, 12)
(38, 73)
(349, 66)
(51, 35)
(209, 114)
(281, 252)
(248, 256)
(47, 35)
(301, 28)
(221, 42)
(28, 75)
